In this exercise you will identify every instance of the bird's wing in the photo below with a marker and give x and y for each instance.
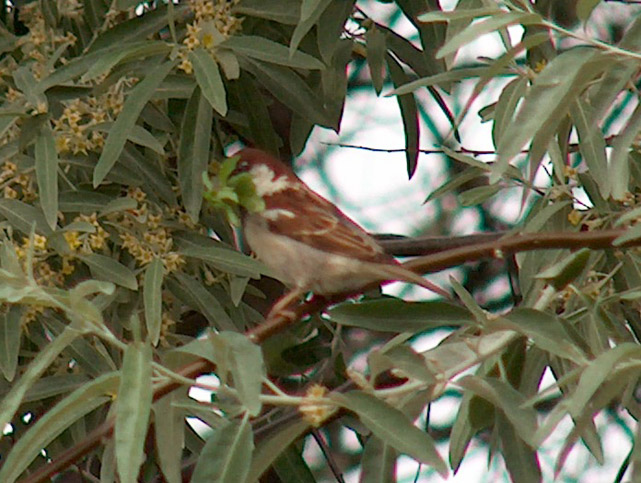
(309, 218)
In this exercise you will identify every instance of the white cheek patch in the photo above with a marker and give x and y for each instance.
(276, 213)
(265, 183)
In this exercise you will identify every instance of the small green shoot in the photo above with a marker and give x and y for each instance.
(230, 192)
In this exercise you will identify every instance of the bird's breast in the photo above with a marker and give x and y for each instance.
(302, 266)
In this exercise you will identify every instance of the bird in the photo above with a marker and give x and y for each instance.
(308, 242)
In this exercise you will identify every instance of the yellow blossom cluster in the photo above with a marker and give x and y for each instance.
(166, 327)
(146, 237)
(15, 184)
(314, 407)
(30, 314)
(213, 23)
(78, 127)
(89, 241)
(42, 41)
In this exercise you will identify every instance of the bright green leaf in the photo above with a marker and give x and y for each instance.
(392, 426)
(152, 298)
(227, 454)
(193, 151)
(47, 175)
(133, 407)
(111, 270)
(10, 332)
(244, 361)
(267, 50)
(394, 315)
(209, 80)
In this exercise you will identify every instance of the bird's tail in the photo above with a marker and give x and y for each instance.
(402, 274)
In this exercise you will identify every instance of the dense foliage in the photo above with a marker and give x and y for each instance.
(112, 264)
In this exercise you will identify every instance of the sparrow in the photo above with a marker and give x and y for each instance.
(307, 241)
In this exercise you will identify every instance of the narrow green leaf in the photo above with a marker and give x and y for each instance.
(310, 12)
(50, 425)
(47, 175)
(237, 286)
(401, 357)
(591, 144)
(267, 50)
(454, 182)
(117, 205)
(88, 354)
(169, 425)
(290, 466)
(127, 118)
(631, 234)
(23, 216)
(219, 256)
(511, 402)
(252, 103)
(289, 88)
(227, 454)
(409, 114)
(133, 407)
(520, 459)
(454, 75)
(545, 104)
(459, 14)
(283, 11)
(393, 427)
(51, 386)
(110, 269)
(329, 28)
(376, 48)
(108, 462)
(137, 28)
(137, 135)
(584, 9)
(127, 52)
(505, 109)
(478, 195)
(596, 374)
(208, 305)
(46, 356)
(378, 464)
(152, 298)
(476, 30)
(567, 270)
(269, 449)
(208, 78)
(546, 330)
(244, 360)
(394, 315)
(619, 173)
(175, 87)
(82, 201)
(229, 63)
(462, 432)
(10, 341)
(31, 88)
(193, 152)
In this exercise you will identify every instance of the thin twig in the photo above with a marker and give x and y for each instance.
(320, 441)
